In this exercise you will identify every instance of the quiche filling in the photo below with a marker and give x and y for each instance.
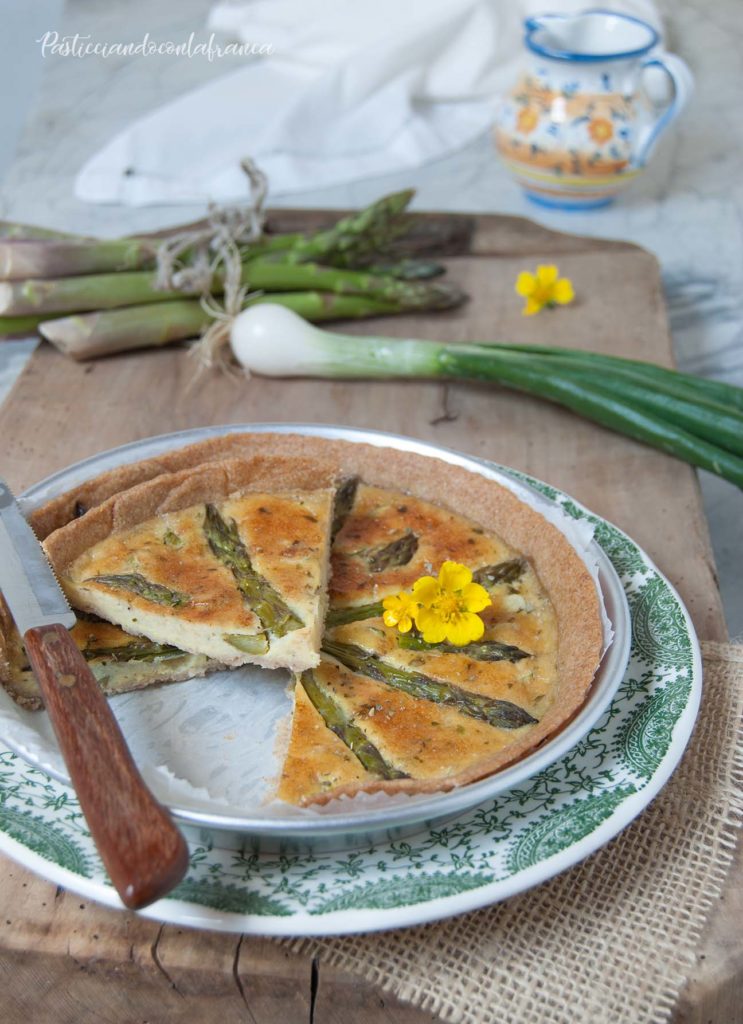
(195, 565)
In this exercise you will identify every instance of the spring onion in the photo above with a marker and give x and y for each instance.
(272, 341)
(663, 379)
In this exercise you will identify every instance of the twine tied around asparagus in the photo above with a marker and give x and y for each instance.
(215, 250)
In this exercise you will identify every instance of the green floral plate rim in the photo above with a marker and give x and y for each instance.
(522, 837)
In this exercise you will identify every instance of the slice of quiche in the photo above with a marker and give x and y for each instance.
(388, 711)
(227, 561)
(119, 661)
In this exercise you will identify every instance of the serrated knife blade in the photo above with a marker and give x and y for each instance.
(27, 580)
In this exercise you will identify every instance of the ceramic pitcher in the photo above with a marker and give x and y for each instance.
(578, 126)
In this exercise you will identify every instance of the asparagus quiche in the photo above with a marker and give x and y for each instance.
(377, 709)
(119, 661)
(227, 561)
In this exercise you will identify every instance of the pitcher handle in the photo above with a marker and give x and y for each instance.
(683, 88)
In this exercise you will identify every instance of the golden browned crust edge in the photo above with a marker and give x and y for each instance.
(172, 492)
(563, 574)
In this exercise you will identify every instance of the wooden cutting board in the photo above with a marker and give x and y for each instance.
(66, 961)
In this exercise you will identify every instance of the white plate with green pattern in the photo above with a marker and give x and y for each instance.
(519, 838)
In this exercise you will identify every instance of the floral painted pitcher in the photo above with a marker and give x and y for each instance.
(577, 127)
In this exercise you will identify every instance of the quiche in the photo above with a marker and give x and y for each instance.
(216, 561)
(374, 709)
(119, 661)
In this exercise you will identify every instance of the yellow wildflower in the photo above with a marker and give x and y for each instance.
(400, 611)
(544, 288)
(448, 606)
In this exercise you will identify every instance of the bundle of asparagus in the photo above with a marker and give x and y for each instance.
(370, 263)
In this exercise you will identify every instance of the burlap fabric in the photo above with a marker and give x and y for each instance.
(611, 940)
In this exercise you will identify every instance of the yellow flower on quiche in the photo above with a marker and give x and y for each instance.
(400, 611)
(448, 606)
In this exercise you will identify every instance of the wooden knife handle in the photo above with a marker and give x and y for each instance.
(143, 851)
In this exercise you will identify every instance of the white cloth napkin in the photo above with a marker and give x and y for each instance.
(353, 89)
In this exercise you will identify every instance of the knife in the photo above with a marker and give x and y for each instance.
(143, 851)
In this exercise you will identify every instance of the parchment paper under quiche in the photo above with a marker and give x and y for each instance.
(379, 711)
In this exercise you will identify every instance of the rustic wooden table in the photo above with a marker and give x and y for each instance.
(63, 960)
